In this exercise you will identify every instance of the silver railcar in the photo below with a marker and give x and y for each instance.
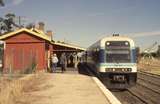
(113, 59)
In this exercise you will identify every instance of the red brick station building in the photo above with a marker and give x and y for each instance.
(24, 47)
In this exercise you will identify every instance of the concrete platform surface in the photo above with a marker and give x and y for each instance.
(62, 88)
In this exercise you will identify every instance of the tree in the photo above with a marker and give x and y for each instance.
(3, 26)
(7, 23)
(1, 3)
(158, 51)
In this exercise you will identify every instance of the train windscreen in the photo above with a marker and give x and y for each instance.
(118, 52)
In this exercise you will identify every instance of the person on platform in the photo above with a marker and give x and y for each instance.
(63, 62)
(54, 60)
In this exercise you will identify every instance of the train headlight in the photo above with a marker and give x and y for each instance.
(108, 69)
(113, 69)
(108, 43)
(118, 69)
(126, 69)
(126, 43)
(123, 69)
(129, 69)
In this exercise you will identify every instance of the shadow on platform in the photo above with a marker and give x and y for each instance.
(82, 69)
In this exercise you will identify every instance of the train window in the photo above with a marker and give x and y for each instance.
(118, 51)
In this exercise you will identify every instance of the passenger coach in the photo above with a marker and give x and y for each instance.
(113, 59)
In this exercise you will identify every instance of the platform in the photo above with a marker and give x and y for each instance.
(67, 88)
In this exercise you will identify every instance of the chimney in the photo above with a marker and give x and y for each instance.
(49, 34)
(41, 26)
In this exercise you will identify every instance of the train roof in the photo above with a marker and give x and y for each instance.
(117, 38)
(102, 41)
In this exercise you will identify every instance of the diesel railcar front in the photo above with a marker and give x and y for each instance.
(113, 59)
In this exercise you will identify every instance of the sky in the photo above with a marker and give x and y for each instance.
(83, 22)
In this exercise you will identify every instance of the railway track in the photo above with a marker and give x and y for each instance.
(150, 81)
(149, 74)
(138, 97)
(128, 97)
(146, 91)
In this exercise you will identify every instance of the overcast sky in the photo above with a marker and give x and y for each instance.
(84, 21)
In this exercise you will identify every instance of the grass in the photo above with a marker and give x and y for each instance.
(17, 90)
(12, 87)
(10, 90)
(149, 65)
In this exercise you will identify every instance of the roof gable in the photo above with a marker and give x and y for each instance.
(42, 36)
(23, 37)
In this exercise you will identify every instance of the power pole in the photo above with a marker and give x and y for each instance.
(20, 20)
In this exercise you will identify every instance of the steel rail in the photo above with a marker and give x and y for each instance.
(140, 98)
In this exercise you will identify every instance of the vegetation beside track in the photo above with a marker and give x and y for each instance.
(149, 65)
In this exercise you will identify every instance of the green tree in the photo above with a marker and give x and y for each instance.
(7, 23)
(158, 51)
(3, 26)
(1, 2)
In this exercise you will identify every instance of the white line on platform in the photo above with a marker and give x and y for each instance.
(112, 99)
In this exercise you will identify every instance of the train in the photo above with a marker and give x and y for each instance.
(113, 60)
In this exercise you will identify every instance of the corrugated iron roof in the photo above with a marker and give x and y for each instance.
(67, 45)
(45, 37)
(39, 34)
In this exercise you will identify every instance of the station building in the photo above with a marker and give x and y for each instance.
(25, 48)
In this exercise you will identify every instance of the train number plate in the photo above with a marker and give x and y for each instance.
(119, 78)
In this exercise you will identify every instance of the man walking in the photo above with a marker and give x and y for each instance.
(63, 62)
